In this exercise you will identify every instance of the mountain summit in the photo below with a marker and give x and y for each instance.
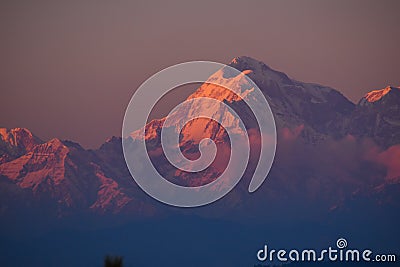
(377, 116)
(320, 110)
(378, 95)
(16, 142)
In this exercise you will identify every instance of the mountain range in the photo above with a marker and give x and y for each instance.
(331, 153)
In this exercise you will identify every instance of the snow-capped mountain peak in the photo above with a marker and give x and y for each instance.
(18, 137)
(258, 70)
(377, 95)
(16, 142)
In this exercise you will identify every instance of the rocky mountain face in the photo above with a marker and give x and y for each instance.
(322, 110)
(16, 142)
(377, 115)
(329, 152)
(62, 176)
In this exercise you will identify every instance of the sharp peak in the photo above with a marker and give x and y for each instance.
(393, 88)
(15, 130)
(59, 142)
(55, 141)
(113, 139)
(376, 95)
(244, 58)
(241, 60)
(15, 135)
(260, 69)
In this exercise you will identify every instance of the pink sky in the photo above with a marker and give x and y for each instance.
(68, 69)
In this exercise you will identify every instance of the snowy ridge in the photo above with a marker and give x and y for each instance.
(377, 95)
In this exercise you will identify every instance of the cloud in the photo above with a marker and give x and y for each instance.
(390, 159)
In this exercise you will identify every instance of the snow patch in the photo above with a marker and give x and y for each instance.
(376, 95)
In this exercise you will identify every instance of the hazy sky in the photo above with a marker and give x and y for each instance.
(69, 68)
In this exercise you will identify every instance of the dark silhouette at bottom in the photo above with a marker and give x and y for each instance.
(113, 261)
